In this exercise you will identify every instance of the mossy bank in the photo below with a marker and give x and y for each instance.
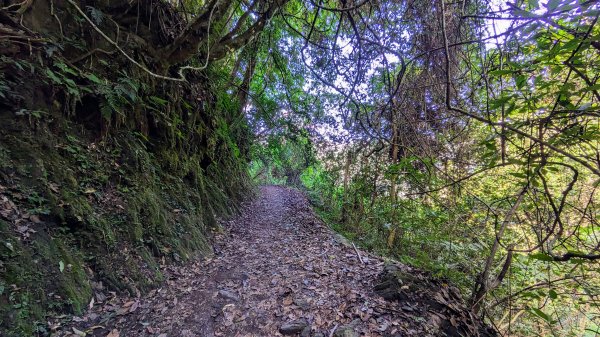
(107, 173)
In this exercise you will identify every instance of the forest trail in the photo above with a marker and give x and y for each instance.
(277, 270)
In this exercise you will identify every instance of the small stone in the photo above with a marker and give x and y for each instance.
(294, 327)
(229, 295)
(100, 297)
(305, 332)
(302, 303)
(346, 331)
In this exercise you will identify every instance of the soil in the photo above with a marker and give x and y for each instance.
(277, 269)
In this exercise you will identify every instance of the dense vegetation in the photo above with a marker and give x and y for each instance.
(457, 136)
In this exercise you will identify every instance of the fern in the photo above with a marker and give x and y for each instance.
(96, 15)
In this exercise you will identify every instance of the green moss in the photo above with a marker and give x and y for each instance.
(32, 283)
(169, 203)
(73, 285)
(4, 158)
(112, 206)
(168, 222)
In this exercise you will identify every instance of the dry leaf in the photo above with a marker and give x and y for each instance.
(78, 332)
(134, 306)
(114, 333)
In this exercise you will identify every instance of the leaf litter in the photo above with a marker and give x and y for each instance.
(278, 270)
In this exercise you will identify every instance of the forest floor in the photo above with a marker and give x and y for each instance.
(277, 270)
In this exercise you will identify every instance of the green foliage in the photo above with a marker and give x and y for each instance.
(63, 76)
(26, 288)
(281, 160)
(118, 97)
(123, 173)
(530, 126)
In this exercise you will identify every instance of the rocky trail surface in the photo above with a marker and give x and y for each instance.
(278, 270)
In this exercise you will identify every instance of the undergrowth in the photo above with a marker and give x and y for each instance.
(106, 174)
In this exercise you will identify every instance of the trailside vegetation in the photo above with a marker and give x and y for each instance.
(462, 137)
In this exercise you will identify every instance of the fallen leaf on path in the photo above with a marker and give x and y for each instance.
(114, 333)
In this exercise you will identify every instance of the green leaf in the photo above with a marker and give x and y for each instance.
(571, 45)
(552, 293)
(521, 80)
(158, 100)
(52, 75)
(61, 266)
(490, 145)
(499, 102)
(552, 4)
(533, 4)
(518, 175)
(565, 101)
(516, 161)
(541, 314)
(541, 257)
(593, 87)
(500, 72)
(94, 78)
(393, 169)
(66, 69)
(97, 15)
(106, 111)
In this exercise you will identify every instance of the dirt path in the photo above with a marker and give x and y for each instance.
(276, 269)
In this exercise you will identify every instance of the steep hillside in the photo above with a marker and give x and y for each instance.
(106, 171)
